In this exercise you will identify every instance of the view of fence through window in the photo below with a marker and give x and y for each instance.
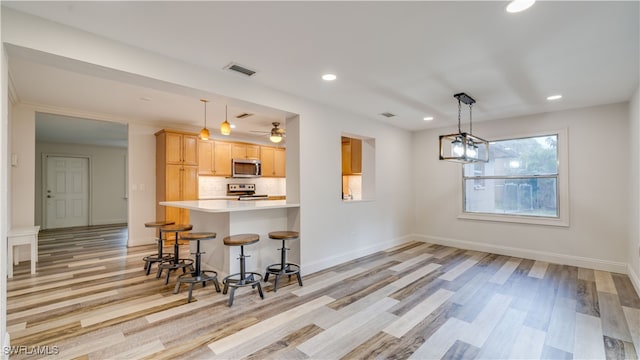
(521, 178)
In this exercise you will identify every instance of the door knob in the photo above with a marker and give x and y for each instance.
(49, 196)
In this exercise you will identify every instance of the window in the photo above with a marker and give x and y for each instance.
(522, 182)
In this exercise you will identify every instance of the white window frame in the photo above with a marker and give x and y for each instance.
(563, 187)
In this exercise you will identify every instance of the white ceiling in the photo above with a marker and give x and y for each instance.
(407, 58)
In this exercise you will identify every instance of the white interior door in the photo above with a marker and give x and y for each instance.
(67, 192)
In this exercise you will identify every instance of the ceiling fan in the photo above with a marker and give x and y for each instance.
(276, 134)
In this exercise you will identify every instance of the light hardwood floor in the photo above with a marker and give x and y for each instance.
(91, 299)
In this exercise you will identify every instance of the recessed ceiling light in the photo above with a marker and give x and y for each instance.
(144, 98)
(329, 77)
(554, 97)
(233, 126)
(427, 118)
(516, 6)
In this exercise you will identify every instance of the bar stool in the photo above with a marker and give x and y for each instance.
(175, 263)
(198, 275)
(283, 268)
(243, 278)
(159, 256)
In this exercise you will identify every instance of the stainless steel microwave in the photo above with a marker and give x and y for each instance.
(246, 168)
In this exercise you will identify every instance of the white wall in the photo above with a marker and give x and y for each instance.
(598, 183)
(634, 190)
(142, 183)
(23, 175)
(107, 186)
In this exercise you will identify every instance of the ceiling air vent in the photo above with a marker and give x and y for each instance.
(240, 69)
(388, 114)
(243, 115)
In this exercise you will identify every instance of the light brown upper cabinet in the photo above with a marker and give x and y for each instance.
(180, 148)
(205, 157)
(245, 151)
(351, 156)
(221, 158)
(273, 161)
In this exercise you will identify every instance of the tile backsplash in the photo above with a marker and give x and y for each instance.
(213, 186)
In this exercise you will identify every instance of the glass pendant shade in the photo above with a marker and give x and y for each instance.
(464, 148)
(225, 127)
(204, 134)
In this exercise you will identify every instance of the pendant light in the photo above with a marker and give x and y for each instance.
(225, 127)
(464, 147)
(204, 133)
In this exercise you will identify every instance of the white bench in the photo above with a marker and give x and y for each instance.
(27, 235)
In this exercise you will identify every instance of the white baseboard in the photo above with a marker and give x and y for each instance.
(109, 221)
(635, 278)
(597, 264)
(317, 265)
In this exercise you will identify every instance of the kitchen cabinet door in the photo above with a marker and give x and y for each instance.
(351, 156)
(189, 149)
(222, 158)
(205, 157)
(180, 148)
(245, 151)
(173, 146)
(273, 161)
(253, 152)
(279, 163)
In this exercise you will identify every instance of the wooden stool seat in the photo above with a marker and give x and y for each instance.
(193, 236)
(198, 275)
(284, 267)
(283, 235)
(158, 223)
(241, 239)
(175, 263)
(176, 228)
(159, 256)
(243, 278)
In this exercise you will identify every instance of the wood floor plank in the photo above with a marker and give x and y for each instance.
(633, 320)
(604, 282)
(614, 323)
(560, 333)
(587, 298)
(528, 344)
(501, 340)
(588, 340)
(539, 269)
(626, 292)
(505, 271)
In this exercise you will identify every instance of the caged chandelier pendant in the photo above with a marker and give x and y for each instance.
(464, 147)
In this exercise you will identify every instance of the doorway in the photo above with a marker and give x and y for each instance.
(66, 191)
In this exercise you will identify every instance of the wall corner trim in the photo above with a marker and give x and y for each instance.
(635, 278)
(563, 259)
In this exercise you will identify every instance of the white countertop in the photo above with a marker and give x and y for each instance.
(215, 206)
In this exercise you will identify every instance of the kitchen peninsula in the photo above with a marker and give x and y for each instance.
(229, 217)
